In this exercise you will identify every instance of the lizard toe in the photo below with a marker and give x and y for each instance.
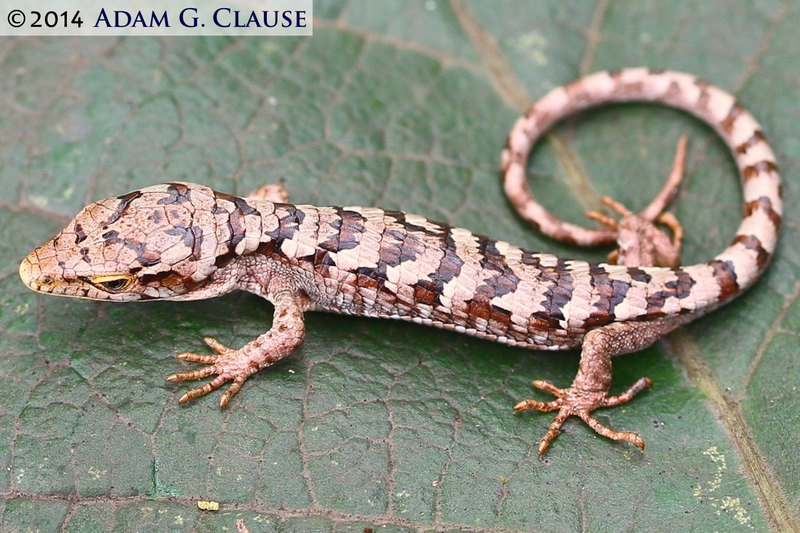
(549, 387)
(218, 347)
(190, 375)
(211, 386)
(633, 438)
(544, 407)
(198, 358)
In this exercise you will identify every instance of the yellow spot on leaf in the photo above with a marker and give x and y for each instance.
(95, 473)
(269, 47)
(533, 45)
(208, 506)
(707, 492)
(38, 201)
(735, 506)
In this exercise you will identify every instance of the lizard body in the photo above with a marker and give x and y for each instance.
(183, 241)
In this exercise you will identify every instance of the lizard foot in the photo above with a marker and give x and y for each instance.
(228, 364)
(640, 242)
(575, 401)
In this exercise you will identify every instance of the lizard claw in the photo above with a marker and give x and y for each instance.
(228, 365)
(575, 401)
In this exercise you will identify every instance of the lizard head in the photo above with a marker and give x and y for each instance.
(156, 243)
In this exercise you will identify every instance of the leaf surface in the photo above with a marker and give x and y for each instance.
(377, 423)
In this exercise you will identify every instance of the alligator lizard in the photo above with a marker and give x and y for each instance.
(182, 241)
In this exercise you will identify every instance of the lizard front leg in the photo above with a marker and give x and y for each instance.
(285, 335)
(273, 192)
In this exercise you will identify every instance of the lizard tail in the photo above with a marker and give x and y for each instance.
(739, 265)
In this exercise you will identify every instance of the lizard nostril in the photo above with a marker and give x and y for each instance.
(47, 280)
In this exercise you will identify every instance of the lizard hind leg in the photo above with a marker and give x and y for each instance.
(640, 243)
(591, 386)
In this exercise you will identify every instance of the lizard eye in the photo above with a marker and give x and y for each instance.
(114, 283)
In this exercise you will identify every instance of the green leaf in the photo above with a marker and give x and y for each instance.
(375, 423)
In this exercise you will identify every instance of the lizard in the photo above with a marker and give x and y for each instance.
(184, 241)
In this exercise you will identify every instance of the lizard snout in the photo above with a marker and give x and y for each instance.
(32, 276)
